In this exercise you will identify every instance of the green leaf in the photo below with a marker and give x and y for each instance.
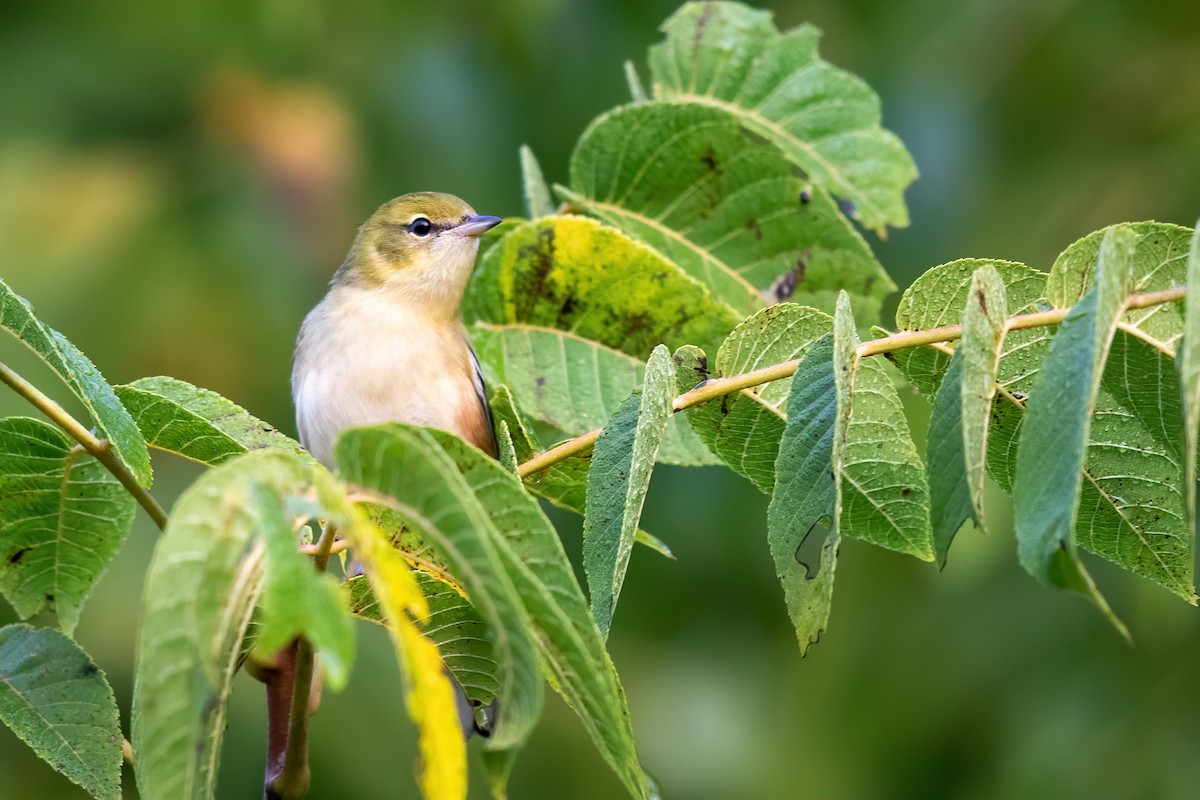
(55, 698)
(1053, 444)
(637, 92)
(201, 590)
(938, 298)
(570, 645)
(685, 179)
(1188, 363)
(1159, 261)
(576, 275)
(883, 495)
(196, 423)
(299, 601)
(825, 120)
(408, 467)
(564, 484)
(620, 475)
(743, 429)
(80, 374)
(573, 384)
(962, 411)
(453, 625)
(949, 491)
(63, 517)
(533, 185)
(805, 495)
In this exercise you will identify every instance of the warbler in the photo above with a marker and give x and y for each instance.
(387, 344)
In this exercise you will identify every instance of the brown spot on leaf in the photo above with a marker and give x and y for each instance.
(982, 301)
(16, 557)
(709, 160)
(752, 224)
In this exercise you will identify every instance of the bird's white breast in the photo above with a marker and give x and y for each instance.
(365, 357)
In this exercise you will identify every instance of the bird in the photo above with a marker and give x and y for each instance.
(388, 344)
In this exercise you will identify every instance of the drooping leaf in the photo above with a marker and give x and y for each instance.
(63, 517)
(617, 482)
(575, 275)
(1188, 364)
(685, 179)
(949, 490)
(564, 484)
(80, 374)
(573, 384)
(533, 185)
(744, 428)
(299, 601)
(962, 411)
(429, 696)
(452, 624)
(1159, 261)
(55, 698)
(570, 645)
(196, 423)
(825, 120)
(412, 474)
(804, 494)
(883, 494)
(201, 589)
(1053, 444)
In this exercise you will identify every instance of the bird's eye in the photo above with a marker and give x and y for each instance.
(420, 226)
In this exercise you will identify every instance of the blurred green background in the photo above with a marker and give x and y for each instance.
(178, 181)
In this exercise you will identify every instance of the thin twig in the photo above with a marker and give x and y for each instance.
(719, 387)
(100, 449)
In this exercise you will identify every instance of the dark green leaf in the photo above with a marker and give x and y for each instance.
(1053, 444)
(804, 494)
(55, 698)
(80, 374)
(949, 492)
(63, 517)
(685, 179)
(825, 120)
(617, 482)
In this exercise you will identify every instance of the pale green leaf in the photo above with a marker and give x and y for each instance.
(743, 429)
(80, 374)
(565, 483)
(201, 590)
(1159, 261)
(685, 179)
(453, 625)
(196, 423)
(825, 120)
(413, 476)
(570, 645)
(617, 482)
(55, 698)
(637, 92)
(575, 275)
(804, 494)
(63, 517)
(299, 601)
(1188, 364)
(1053, 443)
(533, 186)
(573, 384)
(883, 494)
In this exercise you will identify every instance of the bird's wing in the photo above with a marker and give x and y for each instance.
(481, 393)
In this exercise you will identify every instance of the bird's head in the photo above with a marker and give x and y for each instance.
(421, 246)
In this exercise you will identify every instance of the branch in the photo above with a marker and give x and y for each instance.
(98, 448)
(719, 387)
(289, 691)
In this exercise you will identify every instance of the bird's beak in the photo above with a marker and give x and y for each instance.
(475, 226)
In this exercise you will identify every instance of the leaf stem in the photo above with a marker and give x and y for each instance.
(719, 387)
(98, 448)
